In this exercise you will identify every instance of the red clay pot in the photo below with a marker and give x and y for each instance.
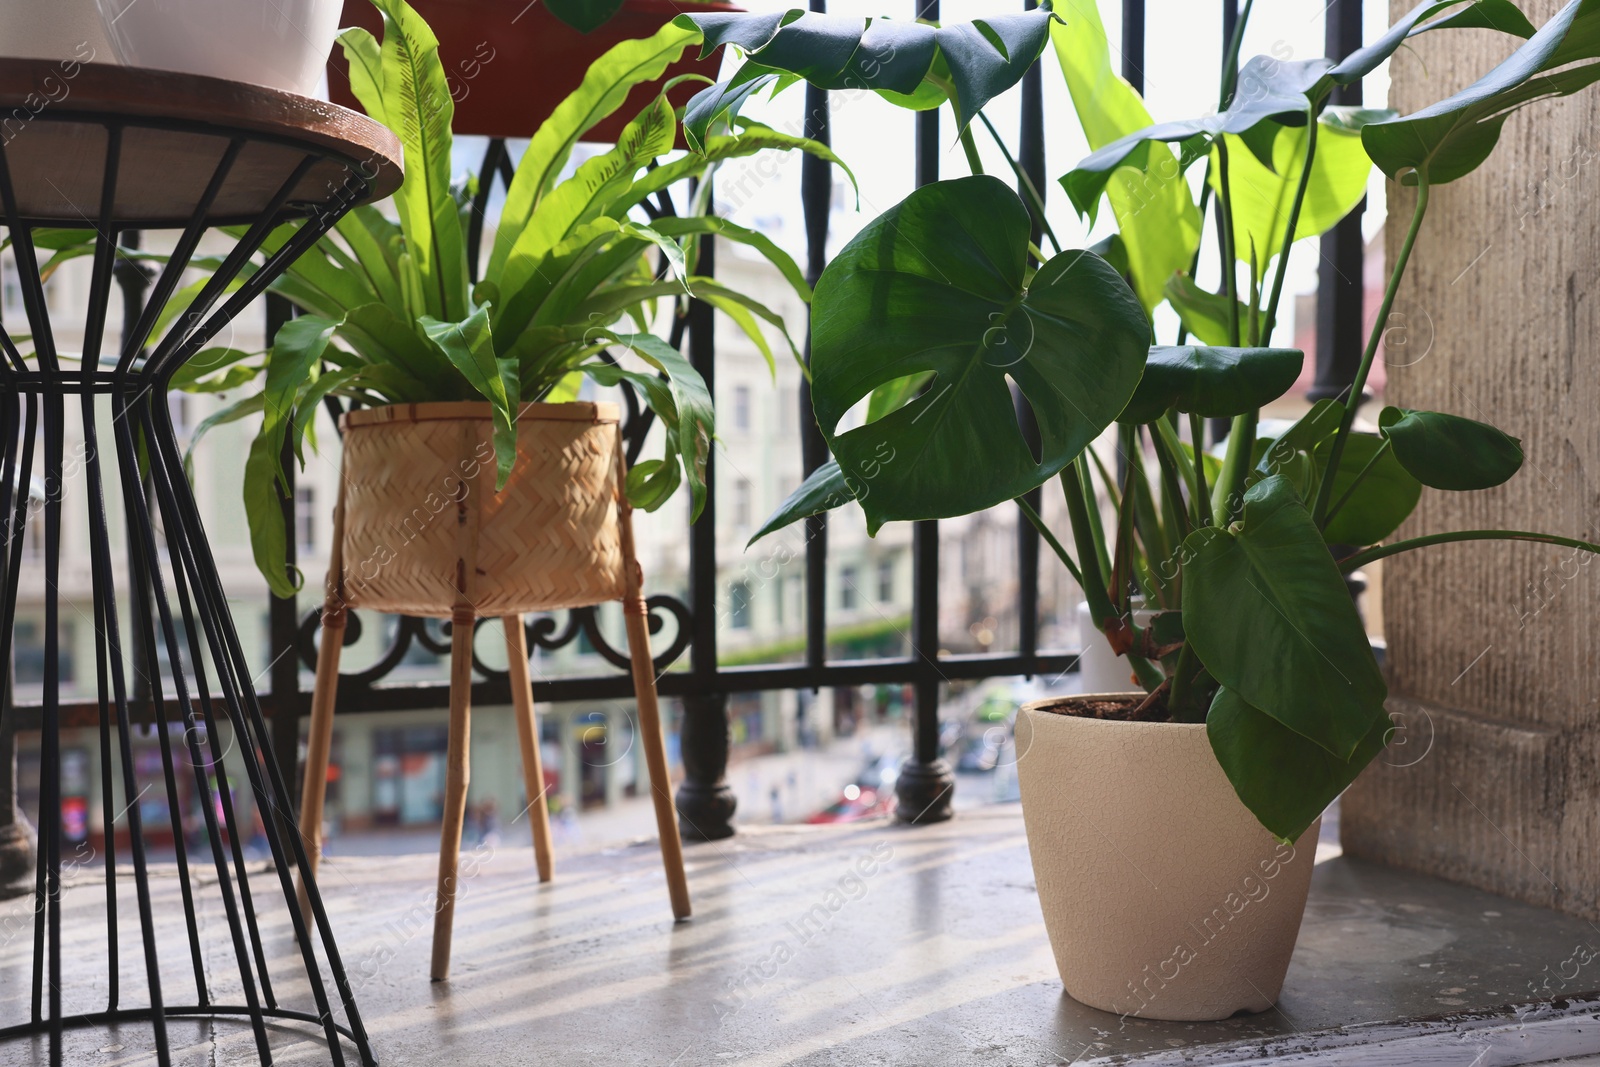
(511, 63)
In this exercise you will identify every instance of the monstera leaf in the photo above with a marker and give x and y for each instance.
(1270, 88)
(970, 63)
(940, 284)
(1450, 139)
(1265, 608)
(1215, 382)
(1285, 780)
(1450, 452)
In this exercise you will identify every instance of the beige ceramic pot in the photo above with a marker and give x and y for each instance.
(1163, 896)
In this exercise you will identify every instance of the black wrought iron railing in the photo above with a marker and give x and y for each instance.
(925, 784)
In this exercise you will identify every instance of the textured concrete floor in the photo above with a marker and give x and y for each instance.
(937, 956)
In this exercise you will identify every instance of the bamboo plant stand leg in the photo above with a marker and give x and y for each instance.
(528, 735)
(457, 776)
(319, 742)
(651, 736)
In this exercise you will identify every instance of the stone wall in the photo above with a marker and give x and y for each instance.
(1494, 657)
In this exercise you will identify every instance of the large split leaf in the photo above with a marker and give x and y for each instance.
(938, 283)
(1284, 779)
(1155, 211)
(1450, 452)
(968, 62)
(1267, 611)
(1451, 138)
(1217, 383)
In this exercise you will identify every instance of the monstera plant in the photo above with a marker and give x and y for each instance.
(944, 318)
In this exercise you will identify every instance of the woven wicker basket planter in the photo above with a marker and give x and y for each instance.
(425, 531)
(420, 530)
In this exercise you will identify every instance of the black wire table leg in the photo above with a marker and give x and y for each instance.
(179, 683)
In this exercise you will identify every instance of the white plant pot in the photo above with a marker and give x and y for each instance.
(1163, 896)
(66, 30)
(282, 44)
(1099, 669)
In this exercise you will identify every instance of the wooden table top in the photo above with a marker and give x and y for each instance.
(56, 123)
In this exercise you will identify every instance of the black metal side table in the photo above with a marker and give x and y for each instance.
(111, 149)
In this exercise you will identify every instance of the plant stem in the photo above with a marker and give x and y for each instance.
(1194, 264)
(1294, 223)
(970, 146)
(1333, 512)
(1029, 190)
(1202, 492)
(1092, 580)
(1353, 401)
(1230, 62)
(1230, 271)
(1235, 468)
(1183, 676)
(1371, 555)
(1171, 483)
(1097, 533)
(1050, 539)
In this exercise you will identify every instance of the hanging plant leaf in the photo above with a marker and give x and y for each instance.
(1217, 383)
(939, 284)
(1384, 499)
(1450, 452)
(585, 16)
(1267, 611)
(1285, 780)
(969, 63)
(1453, 137)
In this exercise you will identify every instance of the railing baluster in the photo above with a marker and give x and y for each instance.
(923, 790)
(1030, 157)
(1133, 43)
(816, 200)
(705, 801)
(1340, 286)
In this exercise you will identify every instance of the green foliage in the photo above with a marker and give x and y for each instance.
(933, 313)
(910, 63)
(388, 316)
(1215, 383)
(1451, 138)
(1156, 215)
(1448, 451)
(939, 285)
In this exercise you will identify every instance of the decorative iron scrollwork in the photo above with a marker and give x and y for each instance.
(542, 631)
